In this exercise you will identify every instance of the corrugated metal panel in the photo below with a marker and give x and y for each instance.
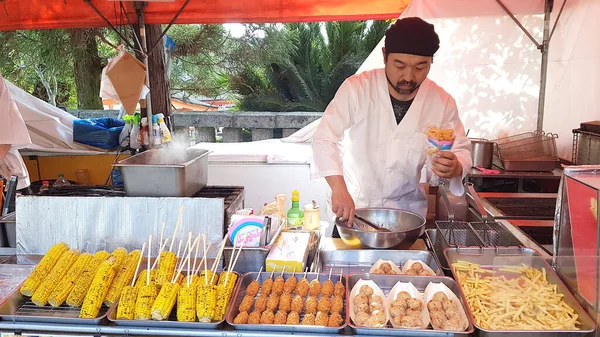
(102, 223)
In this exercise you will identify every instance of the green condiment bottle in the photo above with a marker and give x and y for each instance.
(295, 216)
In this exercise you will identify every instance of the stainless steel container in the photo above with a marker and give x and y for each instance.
(165, 172)
(491, 258)
(405, 228)
(385, 283)
(482, 153)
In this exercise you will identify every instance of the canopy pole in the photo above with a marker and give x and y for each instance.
(107, 21)
(140, 14)
(168, 26)
(514, 18)
(548, 4)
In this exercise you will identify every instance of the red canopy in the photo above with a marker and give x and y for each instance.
(47, 14)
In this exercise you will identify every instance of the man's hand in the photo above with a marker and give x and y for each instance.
(446, 165)
(342, 203)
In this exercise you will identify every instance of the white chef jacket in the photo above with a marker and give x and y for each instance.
(13, 132)
(381, 160)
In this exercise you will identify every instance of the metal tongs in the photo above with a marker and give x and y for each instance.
(365, 225)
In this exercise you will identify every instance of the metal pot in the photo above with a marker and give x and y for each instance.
(482, 153)
(405, 228)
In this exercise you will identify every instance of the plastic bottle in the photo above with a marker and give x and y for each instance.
(295, 216)
(123, 141)
(156, 138)
(134, 139)
(45, 187)
(61, 181)
(145, 134)
(166, 134)
(192, 135)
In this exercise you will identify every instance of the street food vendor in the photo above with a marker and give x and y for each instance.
(13, 134)
(370, 145)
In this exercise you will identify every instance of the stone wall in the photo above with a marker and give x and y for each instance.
(229, 126)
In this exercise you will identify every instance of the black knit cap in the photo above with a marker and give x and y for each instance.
(412, 36)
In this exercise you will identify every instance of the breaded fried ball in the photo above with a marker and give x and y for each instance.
(374, 306)
(452, 313)
(311, 305)
(425, 273)
(297, 304)
(411, 321)
(414, 303)
(241, 318)
(324, 305)
(397, 311)
(290, 284)
(358, 299)
(440, 297)
(361, 307)
(267, 317)
(266, 287)
(302, 287)
(397, 320)
(448, 304)
(278, 285)
(385, 267)
(335, 320)
(337, 304)
(253, 288)
(246, 304)
(433, 304)
(378, 271)
(417, 266)
(361, 318)
(285, 302)
(400, 303)
(372, 322)
(377, 299)
(453, 325)
(309, 319)
(390, 272)
(293, 319)
(412, 272)
(340, 289)
(403, 295)
(261, 303)
(280, 317)
(379, 316)
(314, 287)
(321, 319)
(366, 290)
(327, 288)
(413, 312)
(273, 302)
(254, 317)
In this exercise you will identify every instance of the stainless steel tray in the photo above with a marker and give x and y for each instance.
(18, 308)
(490, 258)
(386, 282)
(241, 292)
(355, 261)
(436, 249)
(538, 165)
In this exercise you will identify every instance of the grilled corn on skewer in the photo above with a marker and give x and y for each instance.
(123, 278)
(43, 268)
(83, 283)
(64, 287)
(95, 296)
(41, 294)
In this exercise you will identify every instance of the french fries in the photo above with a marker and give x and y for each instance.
(440, 134)
(525, 301)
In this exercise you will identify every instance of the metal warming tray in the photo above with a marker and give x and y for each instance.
(165, 172)
(491, 258)
(354, 261)
(240, 292)
(18, 308)
(386, 282)
(438, 252)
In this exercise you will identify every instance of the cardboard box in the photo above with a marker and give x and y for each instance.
(289, 251)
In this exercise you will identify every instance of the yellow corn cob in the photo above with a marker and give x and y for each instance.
(194, 279)
(64, 287)
(82, 285)
(40, 296)
(141, 280)
(166, 268)
(120, 254)
(43, 268)
(145, 299)
(126, 307)
(230, 280)
(123, 278)
(186, 304)
(165, 301)
(102, 280)
(180, 279)
(210, 274)
(223, 295)
(205, 302)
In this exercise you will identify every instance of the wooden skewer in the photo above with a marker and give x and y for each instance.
(330, 270)
(305, 271)
(341, 272)
(272, 272)
(189, 277)
(181, 267)
(160, 252)
(176, 227)
(149, 250)
(205, 263)
(283, 271)
(218, 257)
(181, 263)
(137, 268)
(236, 259)
(260, 271)
(162, 233)
(197, 269)
(196, 257)
(294, 272)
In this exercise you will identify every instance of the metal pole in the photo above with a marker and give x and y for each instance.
(144, 47)
(544, 66)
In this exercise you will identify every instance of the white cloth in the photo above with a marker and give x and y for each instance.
(381, 161)
(13, 132)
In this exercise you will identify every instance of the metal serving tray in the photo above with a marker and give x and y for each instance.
(386, 282)
(171, 323)
(241, 292)
(356, 261)
(491, 258)
(436, 249)
(19, 308)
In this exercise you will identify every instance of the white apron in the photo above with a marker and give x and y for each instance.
(381, 161)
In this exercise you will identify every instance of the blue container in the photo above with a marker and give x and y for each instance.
(98, 132)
